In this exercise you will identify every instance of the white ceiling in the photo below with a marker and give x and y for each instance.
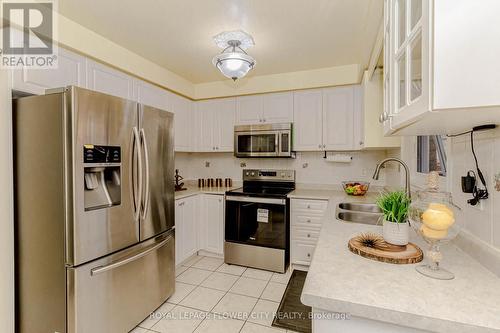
(290, 35)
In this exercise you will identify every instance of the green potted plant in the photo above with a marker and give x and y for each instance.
(394, 206)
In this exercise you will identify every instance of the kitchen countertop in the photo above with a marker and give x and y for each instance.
(340, 281)
(324, 194)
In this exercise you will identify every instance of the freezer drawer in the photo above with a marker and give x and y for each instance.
(116, 293)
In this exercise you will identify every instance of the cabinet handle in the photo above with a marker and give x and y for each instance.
(309, 255)
(308, 235)
(384, 116)
(308, 220)
(308, 206)
(361, 143)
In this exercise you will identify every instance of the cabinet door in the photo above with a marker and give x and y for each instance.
(70, 71)
(214, 223)
(224, 125)
(151, 95)
(205, 122)
(338, 120)
(190, 230)
(184, 125)
(179, 233)
(307, 115)
(278, 107)
(109, 81)
(249, 110)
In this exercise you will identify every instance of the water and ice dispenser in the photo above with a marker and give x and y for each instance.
(102, 176)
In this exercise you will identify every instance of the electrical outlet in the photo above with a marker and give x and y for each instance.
(207, 164)
(479, 206)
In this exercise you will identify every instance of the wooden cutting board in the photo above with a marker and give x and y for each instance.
(409, 254)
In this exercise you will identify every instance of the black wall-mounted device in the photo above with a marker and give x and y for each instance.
(469, 183)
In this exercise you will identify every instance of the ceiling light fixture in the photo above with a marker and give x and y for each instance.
(233, 62)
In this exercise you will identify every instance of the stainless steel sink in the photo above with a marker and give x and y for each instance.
(359, 207)
(364, 213)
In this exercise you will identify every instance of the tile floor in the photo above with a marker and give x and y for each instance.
(211, 296)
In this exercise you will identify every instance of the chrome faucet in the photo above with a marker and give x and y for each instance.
(407, 172)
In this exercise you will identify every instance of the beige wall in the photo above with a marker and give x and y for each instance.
(323, 77)
(6, 210)
(82, 40)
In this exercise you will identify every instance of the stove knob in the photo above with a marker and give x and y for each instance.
(247, 173)
(252, 174)
(283, 175)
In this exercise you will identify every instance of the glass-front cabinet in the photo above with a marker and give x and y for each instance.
(404, 94)
(440, 75)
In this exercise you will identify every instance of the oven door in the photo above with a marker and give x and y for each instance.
(256, 144)
(257, 221)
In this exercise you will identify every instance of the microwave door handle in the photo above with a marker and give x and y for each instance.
(277, 139)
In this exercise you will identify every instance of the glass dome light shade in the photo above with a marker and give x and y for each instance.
(234, 65)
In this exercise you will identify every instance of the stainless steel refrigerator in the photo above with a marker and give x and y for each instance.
(94, 205)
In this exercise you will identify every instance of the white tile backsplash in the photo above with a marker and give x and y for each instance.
(316, 170)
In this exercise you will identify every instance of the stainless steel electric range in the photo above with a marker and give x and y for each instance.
(257, 227)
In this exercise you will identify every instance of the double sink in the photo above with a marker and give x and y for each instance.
(364, 213)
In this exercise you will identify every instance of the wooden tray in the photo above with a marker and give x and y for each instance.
(409, 254)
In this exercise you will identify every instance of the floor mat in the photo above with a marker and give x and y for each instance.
(292, 314)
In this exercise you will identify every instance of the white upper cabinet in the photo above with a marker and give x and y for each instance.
(338, 118)
(266, 108)
(308, 124)
(151, 95)
(327, 119)
(183, 122)
(442, 75)
(277, 107)
(249, 110)
(109, 81)
(70, 71)
(224, 129)
(204, 118)
(215, 125)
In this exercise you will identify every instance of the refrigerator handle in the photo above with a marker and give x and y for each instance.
(134, 257)
(137, 197)
(146, 159)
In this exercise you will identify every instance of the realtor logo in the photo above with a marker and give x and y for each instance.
(28, 35)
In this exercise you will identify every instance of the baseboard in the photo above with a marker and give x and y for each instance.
(210, 254)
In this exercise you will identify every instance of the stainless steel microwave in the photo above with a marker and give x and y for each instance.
(263, 140)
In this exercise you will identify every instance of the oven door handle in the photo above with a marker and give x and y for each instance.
(273, 201)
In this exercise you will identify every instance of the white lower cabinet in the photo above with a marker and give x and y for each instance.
(199, 225)
(306, 220)
(212, 223)
(186, 228)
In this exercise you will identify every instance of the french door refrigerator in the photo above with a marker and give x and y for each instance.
(94, 205)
